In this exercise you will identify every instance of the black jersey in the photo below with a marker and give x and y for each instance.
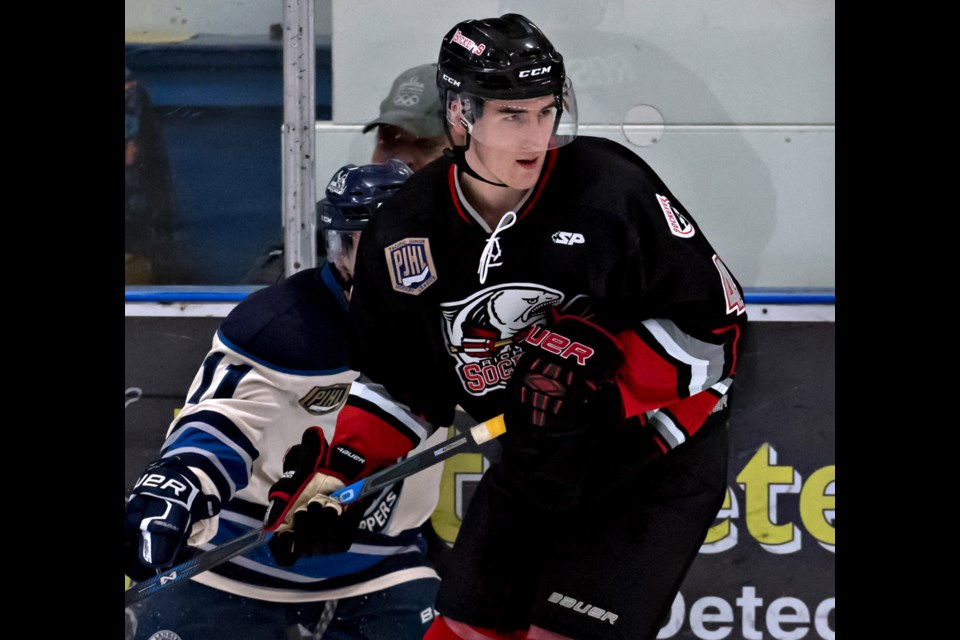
(440, 300)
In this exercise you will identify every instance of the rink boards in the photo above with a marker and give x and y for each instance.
(767, 567)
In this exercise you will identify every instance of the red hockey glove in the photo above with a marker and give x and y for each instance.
(562, 383)
(304, 518)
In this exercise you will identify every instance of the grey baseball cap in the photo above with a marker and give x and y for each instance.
(413, 103)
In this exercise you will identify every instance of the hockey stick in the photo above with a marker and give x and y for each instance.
(479, 434)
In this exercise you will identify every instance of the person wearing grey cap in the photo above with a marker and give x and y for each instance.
(410, 124)
(409, 129)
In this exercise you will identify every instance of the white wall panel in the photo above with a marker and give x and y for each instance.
(763, 195)
(697, 61)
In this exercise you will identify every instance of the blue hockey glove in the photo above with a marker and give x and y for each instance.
(160, 514)
(305, 520)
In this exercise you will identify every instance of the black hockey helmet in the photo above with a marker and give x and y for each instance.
(506, 58)
(352, 196)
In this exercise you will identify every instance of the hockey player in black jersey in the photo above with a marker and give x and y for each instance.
(278, 368)
(557, 280)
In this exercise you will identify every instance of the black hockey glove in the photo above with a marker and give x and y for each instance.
(160, 514)
(565, 362)
(305, 520)
(562, 384)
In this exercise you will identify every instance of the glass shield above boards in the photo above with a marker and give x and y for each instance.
(745, 141)
(204, 96)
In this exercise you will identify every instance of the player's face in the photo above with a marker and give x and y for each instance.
(511, 138)
(341, 250)
(349, 260)
(416, 153)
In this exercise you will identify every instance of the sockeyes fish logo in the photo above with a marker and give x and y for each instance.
(679, 226)
(410, 264)
(483, 332)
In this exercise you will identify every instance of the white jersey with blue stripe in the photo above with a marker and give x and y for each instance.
(277, 366)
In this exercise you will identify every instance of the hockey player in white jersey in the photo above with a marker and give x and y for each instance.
(277, 367)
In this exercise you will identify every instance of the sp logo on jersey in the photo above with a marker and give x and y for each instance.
(567, 238)
(679, 226)
(321, 400)
(410, 264)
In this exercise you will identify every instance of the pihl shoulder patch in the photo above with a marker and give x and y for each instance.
(410, 264)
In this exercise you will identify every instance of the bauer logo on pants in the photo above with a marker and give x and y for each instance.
(411, 265)
(580, 607)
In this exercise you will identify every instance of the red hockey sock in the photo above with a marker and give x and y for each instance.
(446, 629)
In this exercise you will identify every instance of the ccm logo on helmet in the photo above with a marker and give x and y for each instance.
(455, 83)
(534, 72)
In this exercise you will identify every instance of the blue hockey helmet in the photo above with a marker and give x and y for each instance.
(351, 198)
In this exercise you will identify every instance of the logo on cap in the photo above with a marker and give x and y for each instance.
(409, 92)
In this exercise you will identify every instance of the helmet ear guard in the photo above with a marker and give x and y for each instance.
(464, 115)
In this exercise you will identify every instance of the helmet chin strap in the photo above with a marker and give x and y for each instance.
(459, 155)
(459, 159)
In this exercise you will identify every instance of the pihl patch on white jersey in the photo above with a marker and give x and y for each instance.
(679, 226)
(580, 607)
(321, 400)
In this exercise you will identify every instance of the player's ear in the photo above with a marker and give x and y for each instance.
(455, 116)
